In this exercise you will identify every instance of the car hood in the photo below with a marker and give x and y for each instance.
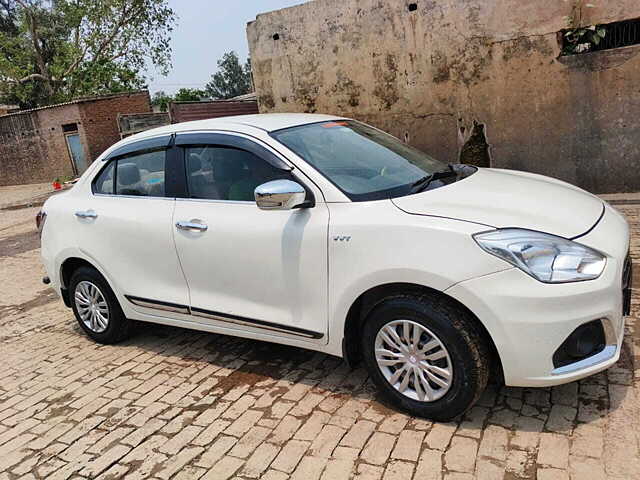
(506, 198)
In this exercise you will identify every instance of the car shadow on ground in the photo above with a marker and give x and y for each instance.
(263, 366)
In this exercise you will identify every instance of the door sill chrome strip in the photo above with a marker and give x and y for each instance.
(249, 322)
(158, 305)
(222, 317)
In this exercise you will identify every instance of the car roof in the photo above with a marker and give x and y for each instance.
(268, 122)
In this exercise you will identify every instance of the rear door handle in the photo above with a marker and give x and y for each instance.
(86, 214)
(191, 226)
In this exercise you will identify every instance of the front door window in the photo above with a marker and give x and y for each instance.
(221, 173)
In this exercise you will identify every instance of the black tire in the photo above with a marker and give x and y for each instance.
(458, 332)
(118, 327)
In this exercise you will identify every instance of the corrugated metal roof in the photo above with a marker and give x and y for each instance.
(75, 101)
(246, 96)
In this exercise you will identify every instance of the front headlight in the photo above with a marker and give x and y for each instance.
(545, 257)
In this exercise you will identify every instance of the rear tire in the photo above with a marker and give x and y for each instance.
(96, 307)
(442, 368)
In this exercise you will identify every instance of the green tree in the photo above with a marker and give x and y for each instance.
(161, 100)
(56, 50)
(189, 95)
(231, 79)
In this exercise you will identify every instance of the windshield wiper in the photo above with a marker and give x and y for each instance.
(424, 182)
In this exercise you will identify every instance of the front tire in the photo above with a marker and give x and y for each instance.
(426, 355)
(96, 307)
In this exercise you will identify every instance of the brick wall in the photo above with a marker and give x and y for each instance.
(57, 162)
(33, 147)
(100, 120)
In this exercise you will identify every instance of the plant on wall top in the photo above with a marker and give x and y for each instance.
(579, 39)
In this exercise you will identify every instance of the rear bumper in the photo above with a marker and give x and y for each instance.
(529, 320)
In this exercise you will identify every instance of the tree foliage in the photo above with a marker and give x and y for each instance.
(231, 79)
(161, 99)
(54, 50)
(189, 95)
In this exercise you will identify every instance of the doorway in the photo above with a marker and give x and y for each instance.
(76, 152)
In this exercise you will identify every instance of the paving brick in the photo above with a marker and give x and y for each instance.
(358, 435)
(338, 469)
(398, 470)
(553, 450)
(185, 436)
(378, 448)
(240, 426)
(440, 435)
(408, 446)
(290, 456)
(551, 474)
(249, 442)
(429, 465)
(260, 460)
(588, 441)
(394, 424)
(310, 468)
(368, 472)
(224, 469)
(488, 469)
(216, 451)
(461, 454)
(103, 461)
(561, 419)
(312, 426)
(326, 441)
(494, 443)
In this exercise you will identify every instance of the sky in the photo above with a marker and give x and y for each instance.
(205, 30)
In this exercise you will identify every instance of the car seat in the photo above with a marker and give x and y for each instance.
(228, 169)
(128, 176)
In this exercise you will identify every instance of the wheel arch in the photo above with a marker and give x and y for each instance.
(67, 268)
(368, 300)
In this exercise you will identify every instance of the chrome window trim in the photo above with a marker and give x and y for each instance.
(149, 197)
(208, 200)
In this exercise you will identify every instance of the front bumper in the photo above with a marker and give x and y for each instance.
(528, 320)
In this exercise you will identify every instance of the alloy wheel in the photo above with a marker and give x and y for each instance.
(414, 360)
(92, 306)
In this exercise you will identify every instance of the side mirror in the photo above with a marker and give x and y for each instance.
(280, 195)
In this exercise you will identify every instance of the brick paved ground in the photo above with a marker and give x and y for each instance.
(173, 403)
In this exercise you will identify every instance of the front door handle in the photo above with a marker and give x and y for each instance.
(86, 214)
(191, 226)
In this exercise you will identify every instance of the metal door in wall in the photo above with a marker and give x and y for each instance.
(77, 153)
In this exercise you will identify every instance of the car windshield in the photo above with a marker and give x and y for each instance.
(363, 162)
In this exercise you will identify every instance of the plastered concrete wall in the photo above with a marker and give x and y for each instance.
(427, 75)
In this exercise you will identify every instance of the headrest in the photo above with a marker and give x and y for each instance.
(128, 173)
(229, 168)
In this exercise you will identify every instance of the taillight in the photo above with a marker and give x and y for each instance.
(40, 219)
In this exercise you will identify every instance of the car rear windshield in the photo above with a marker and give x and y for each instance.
(363, 162)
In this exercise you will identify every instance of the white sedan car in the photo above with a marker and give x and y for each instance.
(328, 234)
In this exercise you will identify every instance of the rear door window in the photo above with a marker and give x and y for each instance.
(139, 175)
